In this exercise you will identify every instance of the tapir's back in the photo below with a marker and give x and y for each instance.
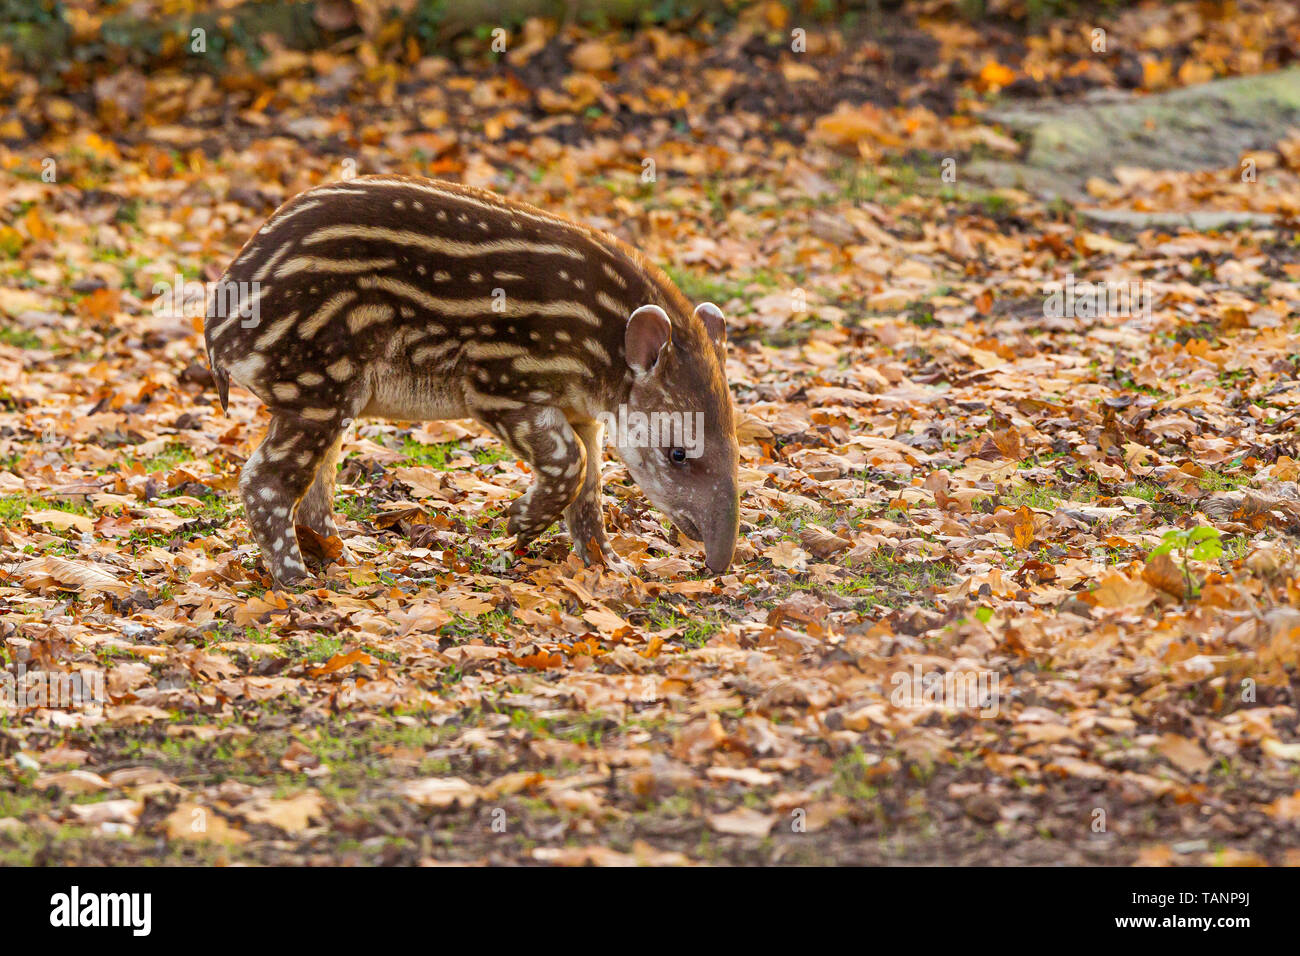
(419, 299)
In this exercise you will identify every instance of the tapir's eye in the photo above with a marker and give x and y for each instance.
(678, 455)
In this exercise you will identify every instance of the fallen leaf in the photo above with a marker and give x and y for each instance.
(439, 793)
(292, 814)
(61, 520)
(72, 781)
(1184, 754)
(1117, 591)
(197, 824)
(743, 821)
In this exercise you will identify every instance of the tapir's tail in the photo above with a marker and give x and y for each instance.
(218, 375)
(223, 385)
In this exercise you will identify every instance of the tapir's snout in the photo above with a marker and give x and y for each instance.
(718, 558)
(719, 536)
(720, 531)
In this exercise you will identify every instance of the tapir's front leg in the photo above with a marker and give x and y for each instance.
(583, 518)
(542, 437)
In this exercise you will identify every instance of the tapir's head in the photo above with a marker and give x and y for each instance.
(677, 435)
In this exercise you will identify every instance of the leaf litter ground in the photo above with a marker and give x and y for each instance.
(941, 476)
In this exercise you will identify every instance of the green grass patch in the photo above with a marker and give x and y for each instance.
(887, 580)
(171, 456)
(703, 287)
(696, 631)
(357, 508)
(13, 507)
(430, 456)
(490, 626)
(492, 454)
(442, 455)
(1219, 481)
(21, 338)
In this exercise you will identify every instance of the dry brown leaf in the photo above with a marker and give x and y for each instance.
(61, 520)
(787, 556)
(743, 821)
(75, 575)
(821, 542)
(1120, 592)
(1161, 572)
(193, 823)
(592, 56)
(72, 781)
(291, 814)
(1183, 753)
(438, 793)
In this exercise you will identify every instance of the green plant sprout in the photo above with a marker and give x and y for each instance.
(1195, 544)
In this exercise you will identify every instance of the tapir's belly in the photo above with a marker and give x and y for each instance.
(397, 394)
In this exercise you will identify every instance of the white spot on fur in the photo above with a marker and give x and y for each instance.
(339, 370)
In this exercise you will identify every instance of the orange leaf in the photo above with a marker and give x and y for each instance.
(100, 305)
(539, 661)
(340, 661)
(1161, 572)
(36, 226)
(318, 546)
(994, 76)
(1022, 534)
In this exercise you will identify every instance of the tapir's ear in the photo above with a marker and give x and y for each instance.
(648, 332)
(713, 321)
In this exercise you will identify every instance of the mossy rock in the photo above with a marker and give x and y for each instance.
(1207, 126)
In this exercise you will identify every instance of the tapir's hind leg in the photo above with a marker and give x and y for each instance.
(274, 481)
(316, 510)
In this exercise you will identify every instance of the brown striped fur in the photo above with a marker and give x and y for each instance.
(376, 298)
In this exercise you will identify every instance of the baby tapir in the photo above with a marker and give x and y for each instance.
(413, 299)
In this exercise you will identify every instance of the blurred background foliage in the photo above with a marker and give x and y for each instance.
(40, 34)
